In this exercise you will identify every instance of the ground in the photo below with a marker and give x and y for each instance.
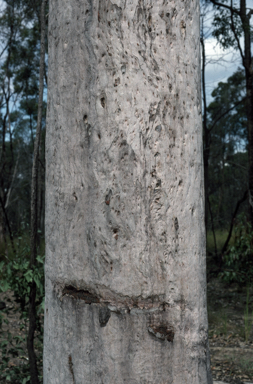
(231, 354)
(229, 326)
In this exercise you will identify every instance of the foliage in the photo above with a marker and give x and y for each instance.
(19, 87)
(19, 84)
(221, 236)
(224, 26)
(228, 159)
(238, 261)
(17, 277)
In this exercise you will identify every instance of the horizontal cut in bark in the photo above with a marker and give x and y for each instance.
(115, 302)
(125, 304)
(81, 294)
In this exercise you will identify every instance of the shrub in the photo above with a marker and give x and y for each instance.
(17, 276)
(238, 260)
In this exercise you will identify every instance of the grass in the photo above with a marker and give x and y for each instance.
(248, 319)
(221, 236)
(20, 242)
(247, 365)
(218, 322)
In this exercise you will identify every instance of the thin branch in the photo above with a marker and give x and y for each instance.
(236, 164)
(227, 111)
(230, 8)
(212, 223)
(250, 13)
(12, 182)
(239, 202)
(234, 32)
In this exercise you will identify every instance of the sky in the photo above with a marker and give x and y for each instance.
(221, 64)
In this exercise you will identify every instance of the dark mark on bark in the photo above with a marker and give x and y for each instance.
(158, 128)
(103, 102)
(104, 315)
(71, 368)
(81, 294)
(176, 224)
(162, 332)
(108, 197)
(115, 303)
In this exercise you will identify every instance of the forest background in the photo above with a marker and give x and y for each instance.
(227, 109)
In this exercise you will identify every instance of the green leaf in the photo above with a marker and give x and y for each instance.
(4, 286)
(29, 276)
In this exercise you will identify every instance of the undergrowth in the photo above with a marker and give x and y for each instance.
(16, 276)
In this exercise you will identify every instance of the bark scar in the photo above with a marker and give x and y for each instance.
(162, 332)
(81, 294)
(104, 315)
(115, 302)
(71, 369)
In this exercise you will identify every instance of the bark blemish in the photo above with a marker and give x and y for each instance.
(103, 102)
(114, 302)
(108, 197)
(176, 224)
(104, 316)
(71, 368)
(115, 233)
(116, 82)
(158, 128)
(80, 294)
(183, 28)
(162, 332)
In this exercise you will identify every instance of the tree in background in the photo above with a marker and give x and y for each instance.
(125, 249)
(34, 204)
(228, 158)
(231, 22)
(19, 65)
(22, 77)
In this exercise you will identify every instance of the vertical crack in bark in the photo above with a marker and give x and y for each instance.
(71, 368)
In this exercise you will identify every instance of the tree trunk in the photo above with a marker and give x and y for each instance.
(206, 133)
(34, 208)
(247, 63)
(125, 234)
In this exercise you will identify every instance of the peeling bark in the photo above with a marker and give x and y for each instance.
(125, 234)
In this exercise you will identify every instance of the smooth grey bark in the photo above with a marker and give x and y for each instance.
(125, 234)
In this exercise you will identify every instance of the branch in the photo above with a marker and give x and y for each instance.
(250, 13)
(227, 111)
(236, 164)
(12, 182)
(231, 9)
(234, 32)
(239, 202)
